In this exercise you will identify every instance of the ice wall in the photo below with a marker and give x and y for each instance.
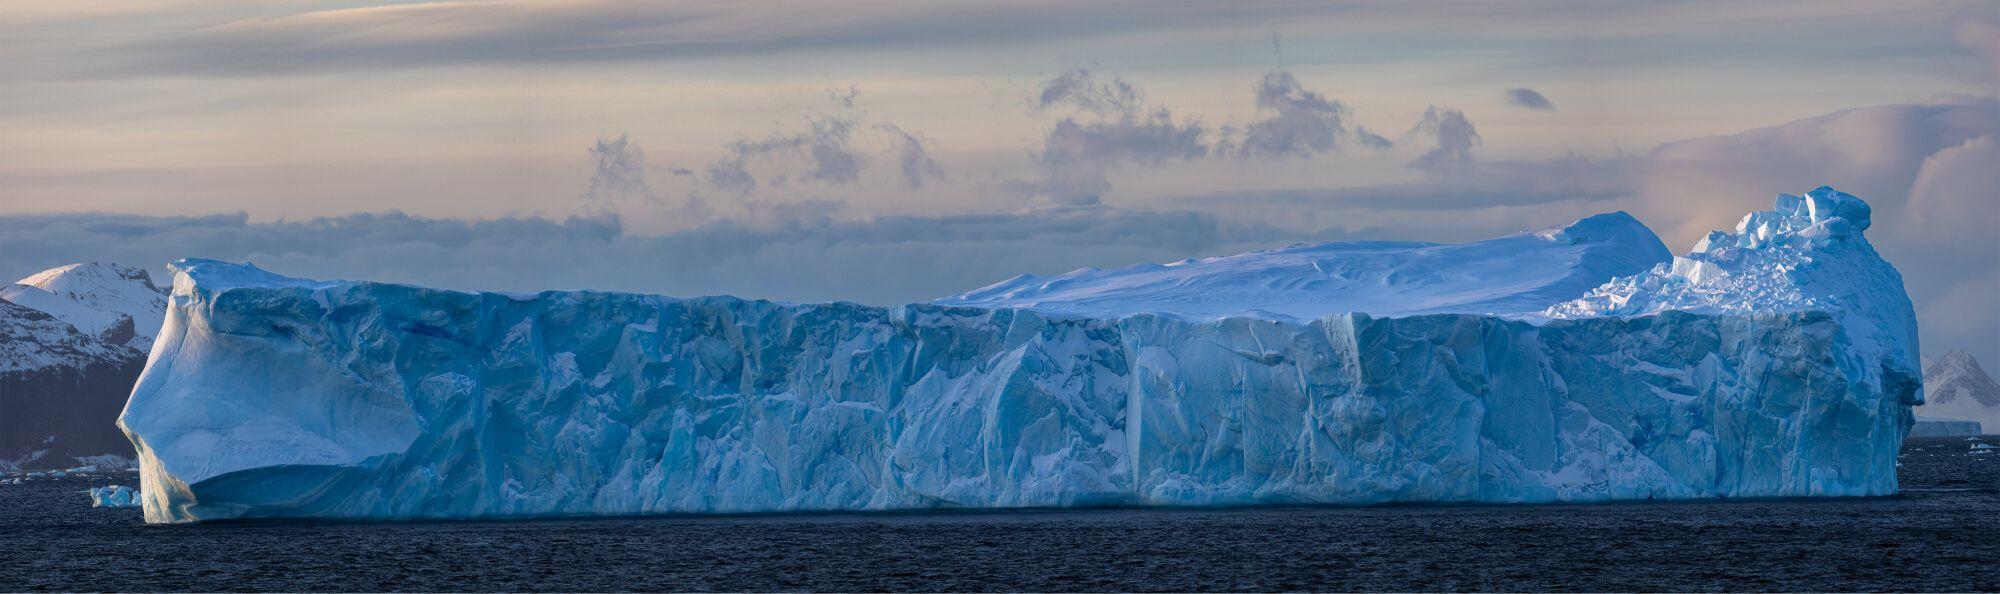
(272, 396)
(368, 400)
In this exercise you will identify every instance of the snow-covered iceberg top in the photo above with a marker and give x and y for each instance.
(1809, 253)
(1517, 274)
(272, 396)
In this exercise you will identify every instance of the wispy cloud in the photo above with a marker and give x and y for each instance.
(1081, 89)
(510, 31)
(917, 166)
(834, 148)
(825, 145)
(619, 174)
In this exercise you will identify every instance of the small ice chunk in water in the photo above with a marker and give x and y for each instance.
(114, 496)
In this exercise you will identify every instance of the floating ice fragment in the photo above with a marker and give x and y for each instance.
(113, 496)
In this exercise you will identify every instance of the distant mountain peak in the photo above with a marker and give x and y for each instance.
(114, 303)
(87, 278)
(1956, 377)
(72, 341)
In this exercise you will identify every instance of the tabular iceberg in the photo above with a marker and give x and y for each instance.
(272, 396)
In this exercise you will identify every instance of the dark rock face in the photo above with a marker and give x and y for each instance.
(73, 340)
(52, 416)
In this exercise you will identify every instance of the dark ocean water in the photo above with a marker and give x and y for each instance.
(1941, 534)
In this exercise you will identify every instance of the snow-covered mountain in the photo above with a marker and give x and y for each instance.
(118, 304)
(275, 396)
(1516, 274)
(72, 342)
(1956, 387)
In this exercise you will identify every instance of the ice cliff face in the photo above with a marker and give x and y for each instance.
(270, 396)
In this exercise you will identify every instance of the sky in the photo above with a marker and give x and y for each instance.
(889, 152)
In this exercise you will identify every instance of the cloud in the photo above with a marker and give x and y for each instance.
(1079, 88)
(1981, 37)
(620, 173)
(1111, 129)
(1873, 152)
(1451, 138)
(618, 180)
(825, 146)
(258, 39)
(1114, 127)
(1927, 169)
(430, 34)
(1077, 156)
(917, 166)
(732, 174)
(1529, 98)
(1301, 123)
(1955, 194)
(796, 252)
(834, 149)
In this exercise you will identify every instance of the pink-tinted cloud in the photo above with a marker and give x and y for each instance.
(1981, 37)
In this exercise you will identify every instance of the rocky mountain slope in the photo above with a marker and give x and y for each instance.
(1957, 388)
(73, 339)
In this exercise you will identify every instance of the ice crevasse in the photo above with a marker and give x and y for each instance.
(1579, 363)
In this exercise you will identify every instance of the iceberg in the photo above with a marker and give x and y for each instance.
(1808, 254)
(1568, 365)
(1939, 427)
(113, 496)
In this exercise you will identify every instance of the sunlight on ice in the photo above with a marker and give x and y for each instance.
(1580, 363)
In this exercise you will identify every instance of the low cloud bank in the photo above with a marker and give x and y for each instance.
(885, 260)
